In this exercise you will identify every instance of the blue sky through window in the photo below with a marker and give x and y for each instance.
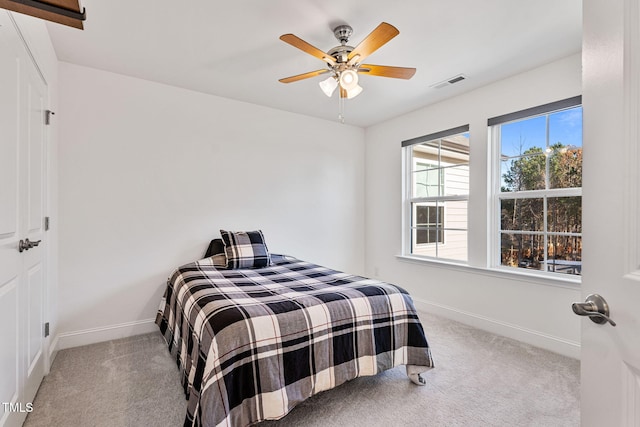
(564, 126)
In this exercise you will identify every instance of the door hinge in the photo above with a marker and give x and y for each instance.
(46, 329)
(47, 116)
(46, 223)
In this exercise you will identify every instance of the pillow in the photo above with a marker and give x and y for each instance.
(219, 260)
(215, 247)
(245, 249)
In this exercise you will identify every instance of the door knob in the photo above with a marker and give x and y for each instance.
(26, 244)
(595, 307)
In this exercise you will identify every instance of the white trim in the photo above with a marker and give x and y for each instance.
(567, 281)
(27, 48)
(538, 194)
(406, 202)
(103, 333)
(53, 349)
(631, 384)
(538, 339)
(493, 240)
(632, 109)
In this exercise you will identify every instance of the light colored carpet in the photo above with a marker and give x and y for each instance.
(480, 379)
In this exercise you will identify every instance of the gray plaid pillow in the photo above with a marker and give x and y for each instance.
(245, 249)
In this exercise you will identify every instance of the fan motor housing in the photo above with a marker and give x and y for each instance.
(342, 33)
(340, 53)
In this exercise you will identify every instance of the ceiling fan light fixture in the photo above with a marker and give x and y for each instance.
(353, 92)
(349, 80)
(345, 62)
(329, 85)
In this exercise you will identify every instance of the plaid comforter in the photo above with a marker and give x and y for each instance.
(253, 343)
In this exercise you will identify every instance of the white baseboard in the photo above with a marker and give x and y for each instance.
(53, 349)
(538, 339)
(100, 334)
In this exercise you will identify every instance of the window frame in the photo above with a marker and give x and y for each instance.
(408, 200)
(496, 195)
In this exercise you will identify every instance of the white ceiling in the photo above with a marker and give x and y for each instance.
(231, 48)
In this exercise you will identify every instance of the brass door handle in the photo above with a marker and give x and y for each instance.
(595, 307)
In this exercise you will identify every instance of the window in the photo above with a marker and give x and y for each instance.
(436, 194)
(538, 188)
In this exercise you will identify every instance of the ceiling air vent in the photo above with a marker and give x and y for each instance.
(449, 81)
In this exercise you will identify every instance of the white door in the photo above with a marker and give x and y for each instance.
(22, 191)
(32, 100)
(610, 362)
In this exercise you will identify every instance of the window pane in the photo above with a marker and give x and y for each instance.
(565, 254)
(455, 215)
(427, 151)
(426, 249)
(456, 146)
(454, 156)
(565, 139)
(565, 128)
(522, 214)
(427, 180)
(564, 214)
(455, 246)
(523, 137)
(565, 167)
(523, 173)
(440, 231)
(522, 251)
(456, 180)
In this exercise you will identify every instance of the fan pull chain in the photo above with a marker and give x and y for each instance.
(340, 109)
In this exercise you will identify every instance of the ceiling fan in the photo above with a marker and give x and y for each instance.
(345, 62)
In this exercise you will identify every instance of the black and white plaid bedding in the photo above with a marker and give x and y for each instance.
(253, 343)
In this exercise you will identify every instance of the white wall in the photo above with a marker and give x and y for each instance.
(527, 309)
(149, 173)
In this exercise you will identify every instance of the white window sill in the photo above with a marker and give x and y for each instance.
(557, 280)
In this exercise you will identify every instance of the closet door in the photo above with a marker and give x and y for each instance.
(22, 190)
(10, 258)
(32, 99)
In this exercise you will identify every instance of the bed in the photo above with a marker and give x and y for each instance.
(252, 342)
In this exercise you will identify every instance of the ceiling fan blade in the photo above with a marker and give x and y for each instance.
(386, 71)
(378, 37)
(303, 76)
(296, 41)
